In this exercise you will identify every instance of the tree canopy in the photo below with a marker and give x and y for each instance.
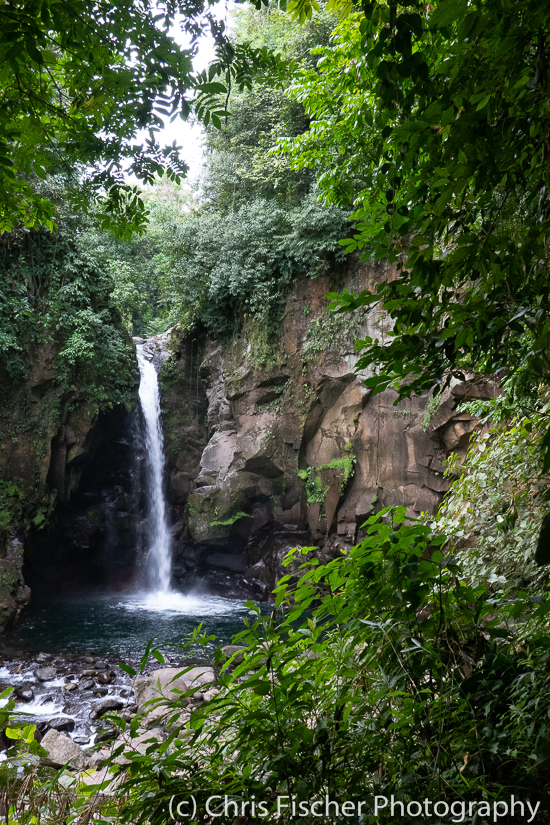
(228, 256)
(82, 80)
(433, 124)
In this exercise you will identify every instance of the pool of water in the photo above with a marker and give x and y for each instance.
(120, 626)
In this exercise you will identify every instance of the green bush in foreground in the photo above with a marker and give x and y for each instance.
(380, 673)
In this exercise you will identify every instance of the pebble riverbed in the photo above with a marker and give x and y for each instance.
(65, 692)
(61, 684)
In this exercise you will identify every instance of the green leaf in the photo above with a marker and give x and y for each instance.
(261, 688)
(447, 12)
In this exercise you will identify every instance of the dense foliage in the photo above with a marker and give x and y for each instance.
(432, 121)
(402, 681)
(255, 225)
(227, 264)
(138, 267)
(82, 80)
(79, 80)
(54, 295)
(414, 665)
(498, 498)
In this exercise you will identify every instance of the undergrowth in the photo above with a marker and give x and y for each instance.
(380, 674)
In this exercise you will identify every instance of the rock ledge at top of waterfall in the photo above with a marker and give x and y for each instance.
(156, 349)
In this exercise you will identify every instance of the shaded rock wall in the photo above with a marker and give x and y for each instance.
(48, 436)
(94, 538)
(240, 439)
(261, 456)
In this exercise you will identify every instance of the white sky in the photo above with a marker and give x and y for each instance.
(186, 134)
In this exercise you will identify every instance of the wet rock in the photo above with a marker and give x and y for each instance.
(62, 751)
(87, 672)
(43, 657)
(24, 692)
(101, 691)
(235, 651)
(45, 674)
(99, 665)
(81, 740)
(170, 683)
(89, 660)
(87, 684)
(62, 723)
(105, 677)
(106, 706)
(71, 685)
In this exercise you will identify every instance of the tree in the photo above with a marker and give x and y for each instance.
(256, 225)
(433, 124)
(79, 79)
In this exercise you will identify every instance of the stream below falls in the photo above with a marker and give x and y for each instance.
(62, 658)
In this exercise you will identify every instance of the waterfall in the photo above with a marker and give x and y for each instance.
(158, 559)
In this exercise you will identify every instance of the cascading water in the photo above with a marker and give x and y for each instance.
(117, 625)
(158, 560)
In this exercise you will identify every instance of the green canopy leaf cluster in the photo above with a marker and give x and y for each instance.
(432, 124)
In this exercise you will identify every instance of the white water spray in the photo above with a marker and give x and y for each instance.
(158, 562)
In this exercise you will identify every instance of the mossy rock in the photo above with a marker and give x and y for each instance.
(9, 584)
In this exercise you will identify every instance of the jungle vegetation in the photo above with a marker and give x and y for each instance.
(416, 665)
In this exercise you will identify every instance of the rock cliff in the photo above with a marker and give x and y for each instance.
(48, 437)
(266, 449)
(295, 451)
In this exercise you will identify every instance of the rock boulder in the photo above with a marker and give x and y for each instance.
(63, 751)
(168, 683)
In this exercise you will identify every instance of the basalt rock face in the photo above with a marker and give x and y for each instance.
(43, 433)
(48, 437)
(263, 453)
(264, 458)
(95, 536)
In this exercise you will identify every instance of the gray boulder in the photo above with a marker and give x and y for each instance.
(236, 651)
(24, 692)
(106, 706)
(168, 683)
(44, 674)
(63, 751)
(62, 723)
(105, 677)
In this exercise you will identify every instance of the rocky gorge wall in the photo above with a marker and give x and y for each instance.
(293, 451)
(49, 438)
(266, 449)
